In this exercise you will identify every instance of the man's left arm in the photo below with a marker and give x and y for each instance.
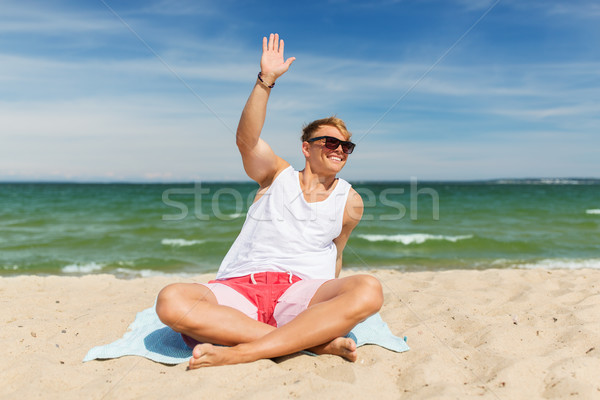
(352, 214)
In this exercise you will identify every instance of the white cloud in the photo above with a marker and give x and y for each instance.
(580, 9)
(566, 111)
(476, 5)
(172, 136)
(43, 18)
(180, 8)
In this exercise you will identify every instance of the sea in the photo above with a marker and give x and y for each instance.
(139, 230)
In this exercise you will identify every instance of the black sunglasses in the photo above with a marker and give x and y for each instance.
(332, 143)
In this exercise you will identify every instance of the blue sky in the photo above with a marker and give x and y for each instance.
(153, 90)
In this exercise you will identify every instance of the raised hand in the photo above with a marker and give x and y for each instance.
(272, 64)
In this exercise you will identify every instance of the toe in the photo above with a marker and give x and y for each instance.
(197, 352)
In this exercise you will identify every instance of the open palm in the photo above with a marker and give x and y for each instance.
(272, 62)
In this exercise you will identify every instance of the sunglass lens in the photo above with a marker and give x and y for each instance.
(332, 143)
(348, 147)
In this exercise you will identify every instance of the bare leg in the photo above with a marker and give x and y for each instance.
(192, 309)
(337, 306)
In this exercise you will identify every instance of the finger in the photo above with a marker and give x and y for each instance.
(281, 46)
(271, 39)
(276, 43)
(264, 44)
(289, 61)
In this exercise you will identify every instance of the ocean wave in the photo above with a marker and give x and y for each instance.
(547, 181)
(82, 268)
(128, 273)
(594, 211)
(180, 242)
(235, 215)
(126, 263)
(412, 238)
(590, 263)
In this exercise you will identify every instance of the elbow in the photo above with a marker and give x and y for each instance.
(239, 141)
(243, 142)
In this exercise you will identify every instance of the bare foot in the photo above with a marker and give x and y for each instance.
(341, 346)
(208, 355)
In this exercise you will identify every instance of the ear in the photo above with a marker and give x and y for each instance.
(306, 149)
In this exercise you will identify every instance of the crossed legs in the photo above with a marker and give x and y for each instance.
(337, 306)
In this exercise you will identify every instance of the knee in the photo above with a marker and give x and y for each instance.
(167, 304)
(369, 294)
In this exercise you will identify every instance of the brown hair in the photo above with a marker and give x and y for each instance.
(310, 128)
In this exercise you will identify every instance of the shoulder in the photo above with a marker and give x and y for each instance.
(354, 199)
(354, 208)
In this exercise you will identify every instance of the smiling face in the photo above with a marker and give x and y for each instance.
(322, 159)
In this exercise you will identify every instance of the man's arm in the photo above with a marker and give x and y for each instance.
(352, 215)
(260, 162)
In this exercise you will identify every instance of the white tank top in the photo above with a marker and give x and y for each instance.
(285, 233)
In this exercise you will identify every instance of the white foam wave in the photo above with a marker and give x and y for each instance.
(235, 215)
(559, 181)
(129, 273)
(180, 242)
(82, 268)
(595, 211)
(591, 263)
(544, 181)
(126, 263)
(413, 238)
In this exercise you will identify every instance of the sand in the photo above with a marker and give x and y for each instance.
(497, 334)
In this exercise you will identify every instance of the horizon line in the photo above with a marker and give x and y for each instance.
(544, 180)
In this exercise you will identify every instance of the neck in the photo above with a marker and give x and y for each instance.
(312, 181)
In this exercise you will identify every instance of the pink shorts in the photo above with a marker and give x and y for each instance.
(274, 298)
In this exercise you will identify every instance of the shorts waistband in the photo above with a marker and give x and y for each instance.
(267, 277)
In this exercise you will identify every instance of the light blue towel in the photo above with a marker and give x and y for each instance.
(150, 338)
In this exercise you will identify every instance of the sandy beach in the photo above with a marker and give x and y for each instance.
(497, 334)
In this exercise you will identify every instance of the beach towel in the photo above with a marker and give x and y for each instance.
(148, 337)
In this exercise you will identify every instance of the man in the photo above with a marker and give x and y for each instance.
(277, 290)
